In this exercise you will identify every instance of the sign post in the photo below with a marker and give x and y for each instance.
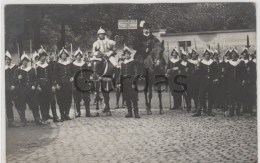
(127, 25)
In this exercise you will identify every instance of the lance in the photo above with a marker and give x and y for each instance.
(195, 44)
(168, 50)
(247, 42)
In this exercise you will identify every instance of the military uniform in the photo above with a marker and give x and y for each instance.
(83, 76)
(193, 82)
(63, 73)
(143, 45)
(236, 73)
(129, 93)
(208, 73)
(185, 70)
(173, 70)
(9, 93)
(26, 83)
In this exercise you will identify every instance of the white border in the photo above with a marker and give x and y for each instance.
(5, 2)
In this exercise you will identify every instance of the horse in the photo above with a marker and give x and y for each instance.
(154, 65)
(103, 72)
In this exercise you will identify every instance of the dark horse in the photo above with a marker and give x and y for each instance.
(154, 65)
(103, 72)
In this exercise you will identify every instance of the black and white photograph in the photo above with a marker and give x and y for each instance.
(164, 82)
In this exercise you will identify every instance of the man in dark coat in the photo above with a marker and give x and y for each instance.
(10, 68)
(208, 73)
(143, 44)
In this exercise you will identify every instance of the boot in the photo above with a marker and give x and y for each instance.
(129, 114)
(197, 114)
(88, 114)
(136, 113)
(78, 109)
(38, 121)
(11, 124)
(67, 117)
(56, 119)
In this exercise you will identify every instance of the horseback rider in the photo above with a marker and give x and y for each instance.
(143, 45)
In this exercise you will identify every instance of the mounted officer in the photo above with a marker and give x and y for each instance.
(143, 45)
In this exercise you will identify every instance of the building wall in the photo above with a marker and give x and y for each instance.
(225, 40)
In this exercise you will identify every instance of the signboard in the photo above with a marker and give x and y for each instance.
(127, 24)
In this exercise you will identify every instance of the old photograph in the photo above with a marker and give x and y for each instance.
(130, 82)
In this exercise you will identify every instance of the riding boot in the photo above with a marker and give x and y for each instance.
(87, 107)
(135, 104)
(54, 113)
(129, 109)
(67, 112)
(78, 109)
(36, 115)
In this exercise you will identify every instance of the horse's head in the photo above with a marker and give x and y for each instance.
(157, 53)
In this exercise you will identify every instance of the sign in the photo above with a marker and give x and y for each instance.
(127, 24)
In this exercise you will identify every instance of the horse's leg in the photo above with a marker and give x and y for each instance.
(146, 99)
(150, 98)
(97, 100)
(160, 99)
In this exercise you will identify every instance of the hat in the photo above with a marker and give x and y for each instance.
(42, 52)
(244, 50)
(101, 31)
(235, 51)
(175, 50)
(146, 25)
(126, 50)
(25, 56)
(78, 52)
(35, 54)
(207, 50)
(63, 51)
(7, 54)
(215, 52)
(228, 52)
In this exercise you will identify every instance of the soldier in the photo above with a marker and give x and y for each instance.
(236, 73)
(193, 82)
(52, 63)
(64, 85)
(10, 68)
(118, 92)
(208, 74)
(185, 68)
(172, 70)
(45, 85)
(129, 72)
(143, 45)
(79, 65)
(106, 48)
(26, 86)
(250, 77)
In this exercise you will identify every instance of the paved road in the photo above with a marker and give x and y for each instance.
(172, 137)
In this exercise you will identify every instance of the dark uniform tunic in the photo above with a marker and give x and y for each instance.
(80, 80)
(9, 94)
(143, 46)
(45, 83)
(236, 73)
(64, 95)
(208, 72)
(172, 84)
(129, 72)
(249, 88)
(25, 93)
(193, 82)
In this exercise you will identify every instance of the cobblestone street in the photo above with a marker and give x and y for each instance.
(172, 137)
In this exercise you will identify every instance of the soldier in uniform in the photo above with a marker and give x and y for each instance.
(208, 74)
(10, 68)
(45, 85)
(106, 48)
(236, 73)
(193, 89)
(143, 45)
(64, 78)
(185, 68)
(172, 70)
(79, 65)
(249, 82)
(52, 63)
(26, 86)
(129, 71)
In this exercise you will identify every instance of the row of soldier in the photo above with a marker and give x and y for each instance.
(228, 84)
